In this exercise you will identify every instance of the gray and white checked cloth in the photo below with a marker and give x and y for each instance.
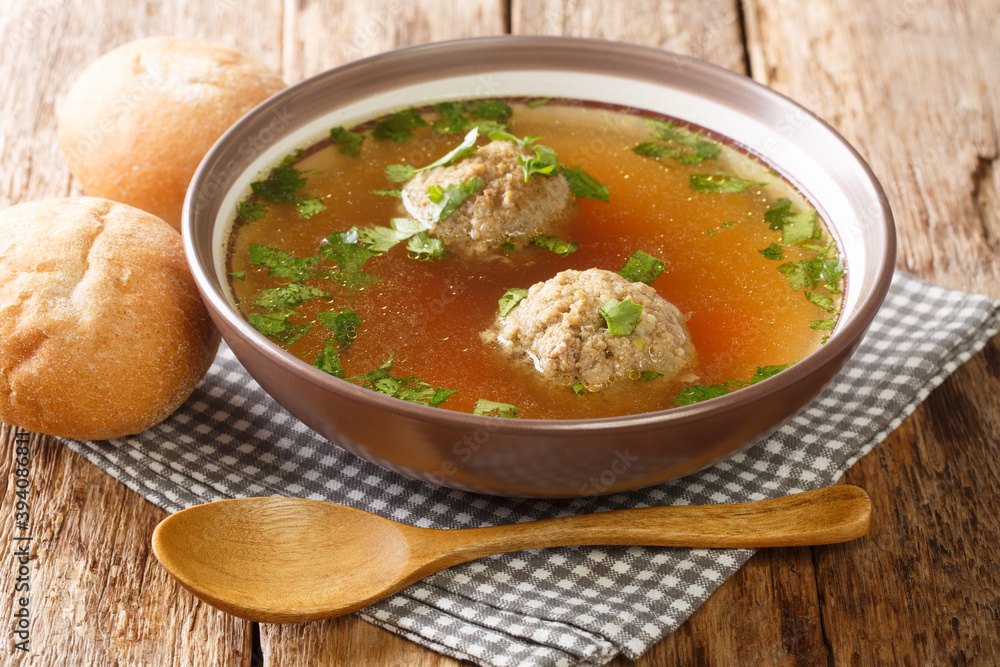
(566, 606)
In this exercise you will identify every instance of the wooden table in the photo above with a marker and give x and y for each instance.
(913, 84)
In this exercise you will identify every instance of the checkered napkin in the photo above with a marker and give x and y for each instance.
(566, 606)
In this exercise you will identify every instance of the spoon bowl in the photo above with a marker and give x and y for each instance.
(286, 560)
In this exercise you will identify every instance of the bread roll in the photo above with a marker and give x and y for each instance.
(137, 122)
(102, 331)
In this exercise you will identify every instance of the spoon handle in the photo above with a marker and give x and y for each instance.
(823, 516)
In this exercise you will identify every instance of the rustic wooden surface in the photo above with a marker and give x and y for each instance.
(914, 85)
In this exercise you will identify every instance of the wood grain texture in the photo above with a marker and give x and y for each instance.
(914, 85)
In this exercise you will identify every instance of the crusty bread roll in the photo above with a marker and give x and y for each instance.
(102, 331)
(137, 122)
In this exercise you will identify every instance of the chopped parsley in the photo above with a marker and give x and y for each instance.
(328, 360)
(824, 302)
(406, 388)
(765, 372)
(343, 323)
(585, 186)
(282, 186)
(773, 251)
(485, 115)
(679, 143)
(822, 325)
(795, 227)
(281, 264)
(277, 326)
(532, 104)
(388, 193)
(347, 142)
(544, 162)
(556, 245)
(642, 267)
(404, 172)
(399, 127)
(426, 247)
(287, 296)
(238, 275)
(510, 299)
(646, 376)
(345, 249)
(811, 273)
(621, 316)
(719, 183)
(697, 393)
(450, 197)
(495, 409)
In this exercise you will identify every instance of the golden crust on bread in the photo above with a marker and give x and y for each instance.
(137, 122)
(102, 330)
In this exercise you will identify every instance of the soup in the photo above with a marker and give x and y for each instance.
(330, 259)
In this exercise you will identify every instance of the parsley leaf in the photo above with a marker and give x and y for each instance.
(307, 207)
(287, 296)
(795, 227)
(682, 144)
(344, 324)
(251, 210)
(556, 245)
(349, 143)
(584, 185)
(700, 392)
(646, 376)
(822, 325)
(408, 389)
(281, 264)
(238, 275)
(773, 251)
(426, 247)
(344, 249)
(642, 267)
(507, 136)
(388, 193)
(719, 183)
(277, 326)
(451, 196)
(403, 172)
(544, 162)
(281, 186)
(764, 372)
(621, 316)
(531, 104)
(399, 127)
(511, 298)
(379, 239)
(494, 409)
(824, 302)
(810, 272)
(485, 115)
(328, 360)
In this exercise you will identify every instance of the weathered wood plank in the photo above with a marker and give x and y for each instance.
(97, 595)
(914, 86)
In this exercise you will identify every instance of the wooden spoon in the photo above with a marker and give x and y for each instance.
(284, 560)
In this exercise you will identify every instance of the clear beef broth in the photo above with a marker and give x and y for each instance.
(743, 312)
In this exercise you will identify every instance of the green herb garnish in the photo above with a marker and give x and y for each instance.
(719, 183)
(328, 360)
(238, 275)
(494, 409)
(697, 393)
(795, 227)
(287, 296)
(343, 323)
(646, 376)
(347, 142)
(451, 196)
(773, 251)
(399, 127)
(544, 162)
(764, 372)
(824, 302)
(277, 326)
(556, 245)
(621, 316)
(251, 210)
(642, 267)
(408, 389)
(682, 144)
(822, 325)
(344, 248)
(510, 299)
(531, 104)
(281, 264)
(426, 247)
(486, 115)
(282, 186)
(388, 193)
(584, 185)
(404, 172)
